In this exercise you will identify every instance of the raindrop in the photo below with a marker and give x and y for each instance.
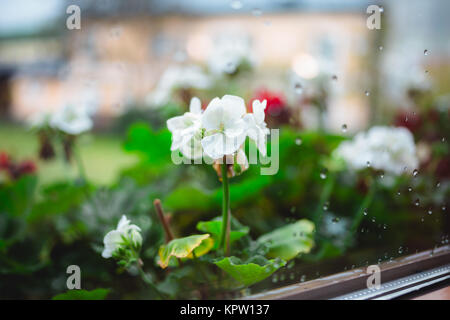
(373, 219)
(410, 189)
(368, 164)
(367, 93)
(335, 220)
(381, 9)
(400, 250)
(323, 174)
(325, 206)
(438, 185)
(417, 202)
(298, 88)
(398, 192)
(298, 141)
(381, 174)
(380, 48)
(443, 139)
(430, 211)
(425, 52)
(236, 5)
(334, 77)
(444, 208)
(365, 212)
(302, 278)
(344, 128)
(423, 219)
(415, 172)
(384, 226)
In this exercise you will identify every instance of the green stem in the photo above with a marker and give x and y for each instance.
(360, 213)
(148, 281)
(324, 198)
(80, 165)
(225, 233)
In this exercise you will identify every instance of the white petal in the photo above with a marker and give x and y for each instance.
(258, 110)
(195, 106)
(213, 115)
(213, 145)
(176, 123)
(123, 223)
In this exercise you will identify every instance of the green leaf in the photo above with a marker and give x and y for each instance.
(189, 198)
(154, 146)
(254, 270)
(214, 227)
(183, 247)
(290, 240)
(97, 294)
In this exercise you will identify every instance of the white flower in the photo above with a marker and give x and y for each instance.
(225, 128)
(175, 77)
(229, 52)
(186, 130)
(72, 120)
(114, 239)
(256, 127)
(383, 148)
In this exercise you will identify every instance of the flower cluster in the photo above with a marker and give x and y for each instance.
(16, 170)
(178, 77)
(383, 148)
(70, 119)
(125, 241)
(220, 130)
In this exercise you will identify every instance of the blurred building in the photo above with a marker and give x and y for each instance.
(123, 47)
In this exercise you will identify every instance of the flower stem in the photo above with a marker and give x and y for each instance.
(324, 198)
(225, 233)
(360, 213)
(148, 281)
(80, 165)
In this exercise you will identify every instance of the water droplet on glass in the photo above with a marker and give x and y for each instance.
(430, 211)
(365, 212)
(398, 192)
(438, 185)
(443, 139)
(415, 172)
(334, 77)
(236, 5)
(380, 48)
(368, 164)
(335, 220)
(400, 250)
(425, 52)
(373, 220)
(444, 208)
(298, 141)
(367, 93)
(325, 206)
(302, 278)
(344, 128)
(417, 202)
(298, 88)
(410, 189)
(381, 9)
(381, 174)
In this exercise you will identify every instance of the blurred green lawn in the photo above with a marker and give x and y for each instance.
(102, 155)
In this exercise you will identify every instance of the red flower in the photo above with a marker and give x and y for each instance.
(409, 120)
(5, 160)
(27, 167)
